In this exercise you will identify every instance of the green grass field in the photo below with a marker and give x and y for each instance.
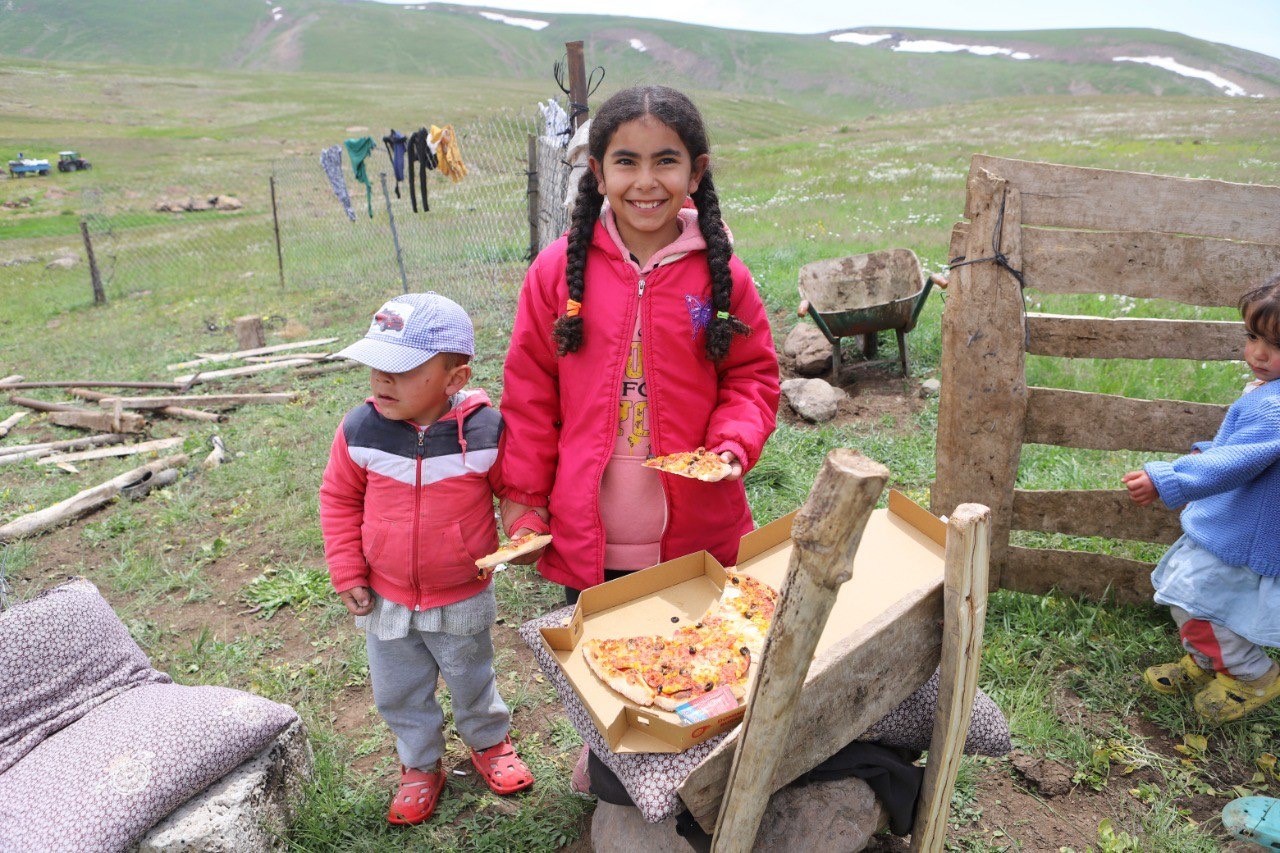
(184, 566)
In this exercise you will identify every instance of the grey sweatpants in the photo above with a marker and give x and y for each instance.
(1219, 649)
(404, 674)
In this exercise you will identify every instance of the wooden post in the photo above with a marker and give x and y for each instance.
(531, 192)
(99, 297)
(578, 110)
(826, 532)
(10, 422)
(249, 332)
(983, 403)
(964, 615)
(275, 223)
(395, 235)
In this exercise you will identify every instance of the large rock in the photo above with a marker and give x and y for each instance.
(811, 351)
(834, 817)
(815, 400)
(248, 810)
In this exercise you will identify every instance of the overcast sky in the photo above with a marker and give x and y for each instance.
(1251, 24)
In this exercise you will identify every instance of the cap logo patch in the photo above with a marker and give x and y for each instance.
(385, 320)
(392, 319)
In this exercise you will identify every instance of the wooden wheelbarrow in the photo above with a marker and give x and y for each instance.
(865, 295)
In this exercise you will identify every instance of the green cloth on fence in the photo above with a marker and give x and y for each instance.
(358, 150)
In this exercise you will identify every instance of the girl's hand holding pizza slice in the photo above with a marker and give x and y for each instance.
(700, 464)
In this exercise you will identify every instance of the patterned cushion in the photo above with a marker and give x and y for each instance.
(100, 784)
(62, 654)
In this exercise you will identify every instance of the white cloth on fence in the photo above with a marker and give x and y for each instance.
(555, 121)
(577, 159)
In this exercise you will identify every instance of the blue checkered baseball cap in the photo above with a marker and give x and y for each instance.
(411, 329)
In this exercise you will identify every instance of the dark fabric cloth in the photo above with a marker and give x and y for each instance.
(396, 143)
(891, 772)
(571, 594)
(419, 153)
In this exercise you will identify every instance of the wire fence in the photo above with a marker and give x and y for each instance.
(472, 240)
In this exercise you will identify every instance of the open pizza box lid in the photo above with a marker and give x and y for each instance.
(902, 550)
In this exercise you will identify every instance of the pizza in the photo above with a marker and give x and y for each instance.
(715, 651)
(700, 464)
(517, 547)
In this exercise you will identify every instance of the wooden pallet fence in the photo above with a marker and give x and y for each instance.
(1072, 230)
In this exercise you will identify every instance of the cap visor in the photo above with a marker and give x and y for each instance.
(384, 356)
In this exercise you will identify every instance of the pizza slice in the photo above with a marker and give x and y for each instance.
(622, 664)
(517, 547)
(700, 464)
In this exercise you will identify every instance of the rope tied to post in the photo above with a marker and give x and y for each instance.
(1001, 260)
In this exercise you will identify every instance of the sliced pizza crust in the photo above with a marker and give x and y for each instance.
(700, 464)
(601, 656)
(517, 547)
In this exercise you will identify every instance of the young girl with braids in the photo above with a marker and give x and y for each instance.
(638, 334)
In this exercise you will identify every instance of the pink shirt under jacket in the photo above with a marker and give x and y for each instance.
(561, 413)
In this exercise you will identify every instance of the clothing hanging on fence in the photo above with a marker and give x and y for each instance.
(555, 121)
(331, 162)
(448, 152)
(395, 142)
(420, 153)
(576, 157)
(358, 150)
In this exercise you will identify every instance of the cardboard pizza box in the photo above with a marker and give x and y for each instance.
(900, 553)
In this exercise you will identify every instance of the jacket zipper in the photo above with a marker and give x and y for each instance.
(653, 421)
(417, 511)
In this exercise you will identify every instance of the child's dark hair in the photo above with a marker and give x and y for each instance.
(1260, 309)
(677, 112)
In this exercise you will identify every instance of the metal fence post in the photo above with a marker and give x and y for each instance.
(99, 297)
(275, 221)
(532, 192)
(395, 235)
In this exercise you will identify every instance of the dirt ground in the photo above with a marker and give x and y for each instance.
(1021, 804)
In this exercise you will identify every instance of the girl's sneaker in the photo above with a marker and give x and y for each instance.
(1227, 698)
(580, 781)
(1181, 676)
(416, 799)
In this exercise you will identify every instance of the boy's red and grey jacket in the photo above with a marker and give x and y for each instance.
(408, 511)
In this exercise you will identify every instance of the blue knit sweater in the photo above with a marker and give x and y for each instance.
(1233, 485)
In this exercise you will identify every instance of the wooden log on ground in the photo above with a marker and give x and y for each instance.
(344, 364)
(113, 421)
(169, 411)
(10, 422)
(34, 451)
(92, 383)
(208, 358)
(120, 450)
(211, 400)
(11, 379)
(84, 502)
(965, 613)
(984, 386)
(249, 332)
(270, 359)
(185, 382)
(826, 533)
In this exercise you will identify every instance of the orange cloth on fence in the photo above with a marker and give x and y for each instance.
(445, 141)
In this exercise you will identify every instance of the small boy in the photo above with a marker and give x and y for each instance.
(406, 507)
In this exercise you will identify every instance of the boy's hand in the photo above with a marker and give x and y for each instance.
(532, 556)
(357, 600)
(736, 466)
(1141, 490)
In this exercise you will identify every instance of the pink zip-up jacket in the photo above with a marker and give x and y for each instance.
(408, 511)
(561, 413)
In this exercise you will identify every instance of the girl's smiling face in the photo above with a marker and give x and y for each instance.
(647, 173)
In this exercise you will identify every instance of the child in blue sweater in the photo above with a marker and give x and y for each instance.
(1221, 579)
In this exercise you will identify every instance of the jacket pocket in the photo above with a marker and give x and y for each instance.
(444, 559)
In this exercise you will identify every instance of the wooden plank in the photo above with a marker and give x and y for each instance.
(1112, 422)
(1107, 200)
(848, 688)
(197, 378)
(17, 453)
(1148, 265)
(1104, 337)
(112, 421)
(120, 450)
(38, 522)
(91, 383)
(984, 390)
(1102, 512)
(826, 533)
(170, 411)
(207, 358)
(964, 615)
(1092, 576)
(212, 400)
(10, 422)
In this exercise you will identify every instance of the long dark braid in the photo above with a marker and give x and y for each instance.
(722, 325)
(677, 112)
(586, 210)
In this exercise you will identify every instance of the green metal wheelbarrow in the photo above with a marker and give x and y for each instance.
(864, 295)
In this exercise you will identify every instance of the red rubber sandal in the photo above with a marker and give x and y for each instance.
(501, 768)
(416, 799)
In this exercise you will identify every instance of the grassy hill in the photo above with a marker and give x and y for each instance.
(424, 45)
